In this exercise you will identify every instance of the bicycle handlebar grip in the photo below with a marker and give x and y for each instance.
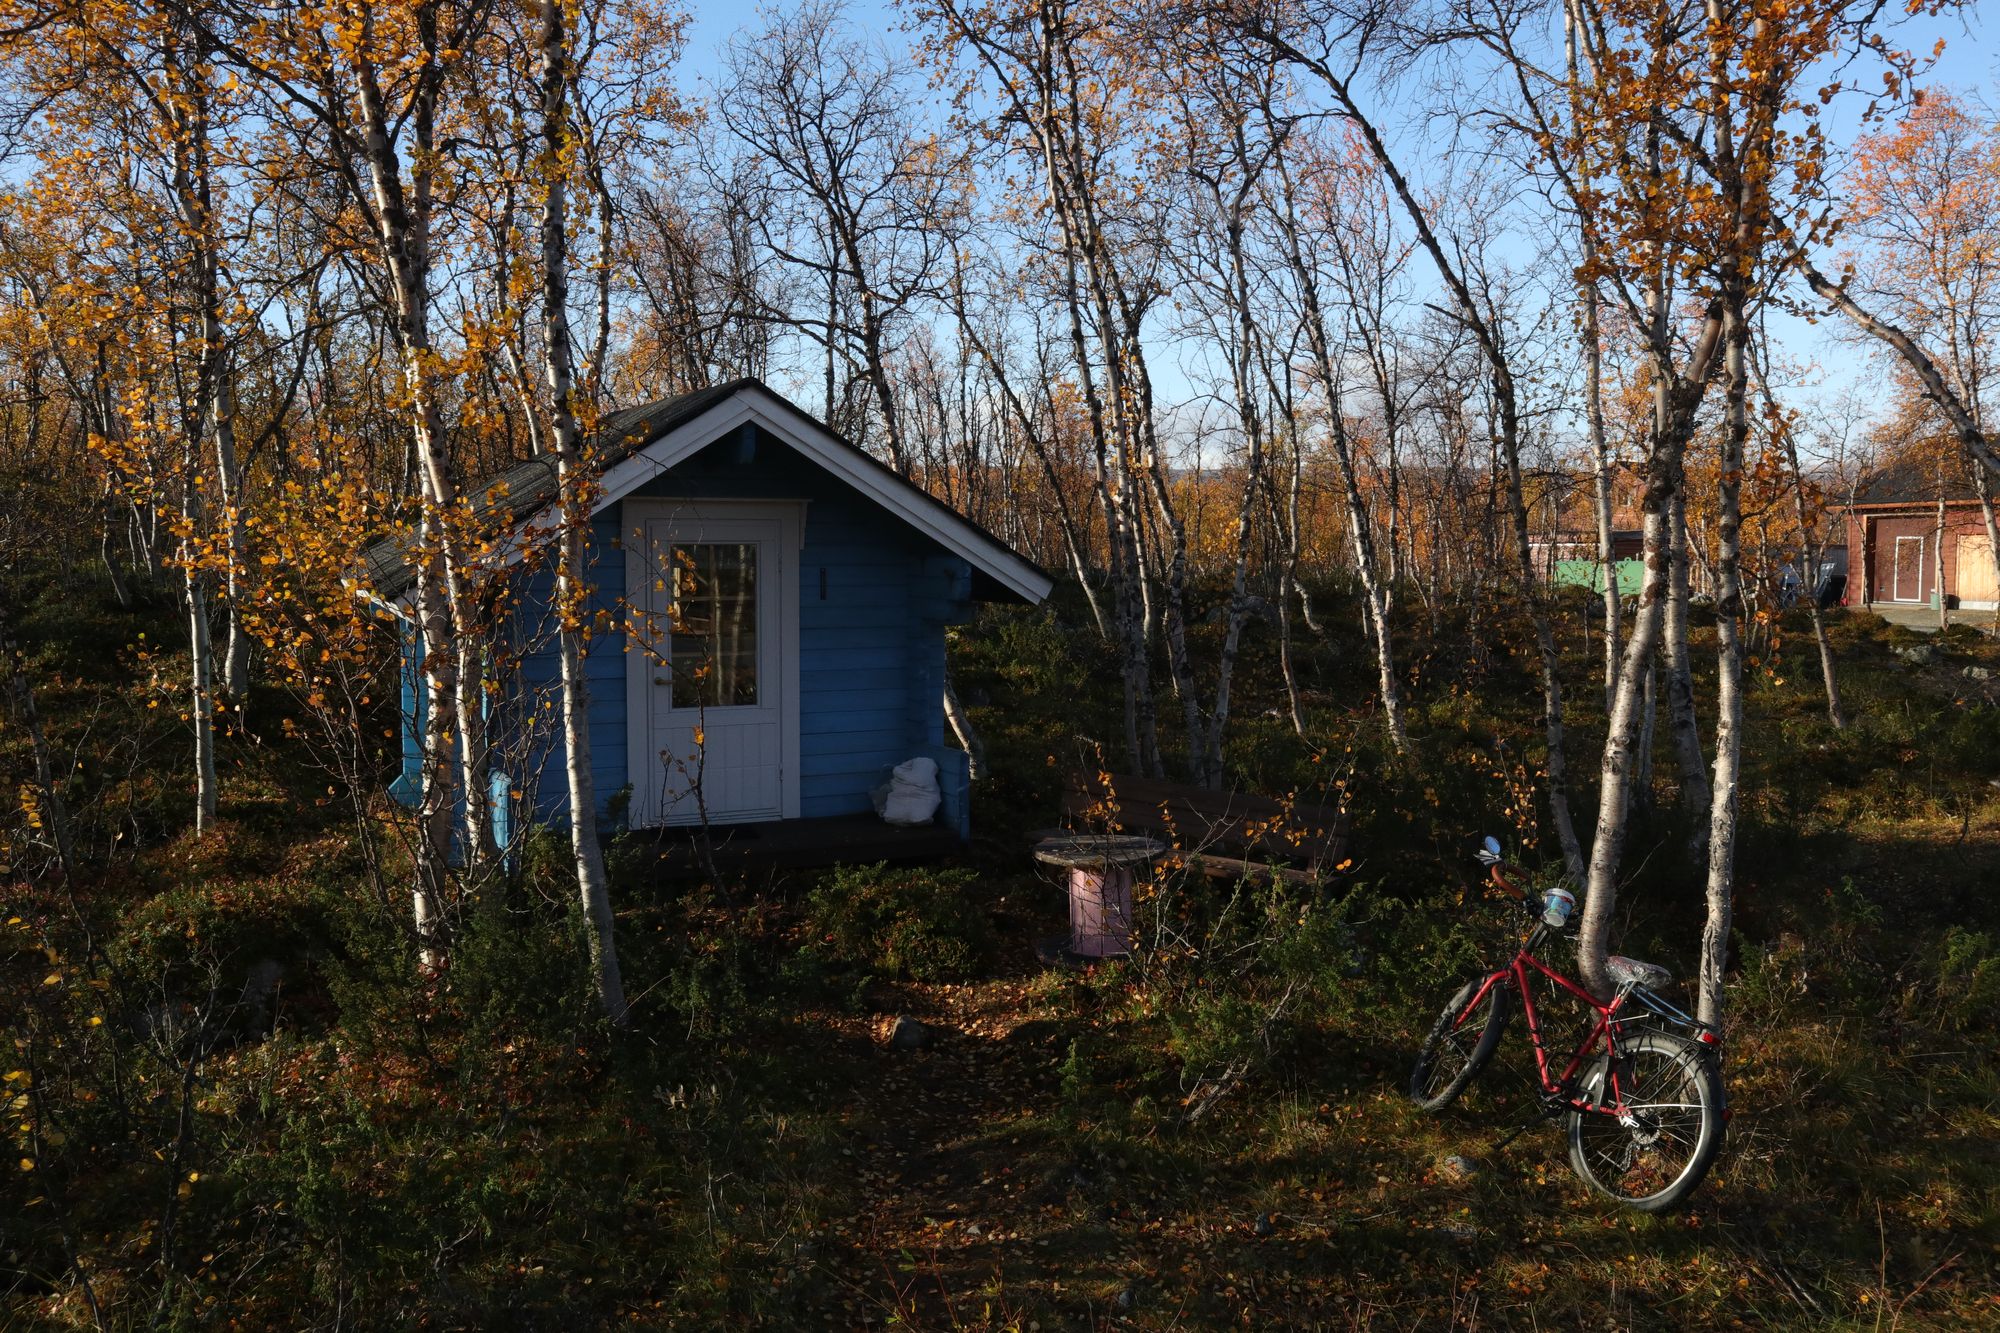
(1507, 886)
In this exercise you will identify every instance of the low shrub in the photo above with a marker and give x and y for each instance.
(1965, 980)
(181, 941)
(916, 922)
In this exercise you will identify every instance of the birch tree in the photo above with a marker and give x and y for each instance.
(856, 196)
(1228, 150)
(1069, 93)
(1329, 45)
(1808, 506)
(362, 89)
(1335, 194)
(131, 113)
(575, 492)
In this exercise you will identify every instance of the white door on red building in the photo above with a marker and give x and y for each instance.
(1908, 579)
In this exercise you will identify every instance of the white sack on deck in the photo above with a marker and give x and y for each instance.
(911, 795)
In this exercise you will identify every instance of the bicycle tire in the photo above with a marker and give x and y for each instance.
(1446, 1051)
(1654, 1165)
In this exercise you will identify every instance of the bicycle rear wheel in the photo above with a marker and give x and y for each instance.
(1655, 1156)
(1459, 1045)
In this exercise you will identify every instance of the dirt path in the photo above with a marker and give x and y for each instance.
(978, 1206)
(955, 1173)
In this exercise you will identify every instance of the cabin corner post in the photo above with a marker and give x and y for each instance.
(954, 788)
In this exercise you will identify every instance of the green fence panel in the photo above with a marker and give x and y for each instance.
(1590, 574)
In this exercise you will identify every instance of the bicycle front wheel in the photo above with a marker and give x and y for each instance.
(1655, 1155)
(1460, 1043)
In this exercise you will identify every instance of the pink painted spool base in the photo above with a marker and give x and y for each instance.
(1100, 887)
(1100, 912)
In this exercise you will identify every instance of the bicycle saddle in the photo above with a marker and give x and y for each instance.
(1632, 972)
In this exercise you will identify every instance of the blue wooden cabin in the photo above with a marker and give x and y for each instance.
(770, 589)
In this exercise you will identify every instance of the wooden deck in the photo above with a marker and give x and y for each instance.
(799, 844)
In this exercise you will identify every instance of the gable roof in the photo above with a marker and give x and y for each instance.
(1910, 483)
(636, 444)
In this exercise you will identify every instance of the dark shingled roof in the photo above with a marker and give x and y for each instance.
(1908, 483)
(517, 494)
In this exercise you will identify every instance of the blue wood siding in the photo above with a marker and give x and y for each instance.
(874, 598)
(408, 788)
(536, 713)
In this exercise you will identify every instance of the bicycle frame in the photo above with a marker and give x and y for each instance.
(1606, 1027)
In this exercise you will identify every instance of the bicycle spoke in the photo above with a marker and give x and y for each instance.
(1647, 1149)
(1452, 1056)
(1458, 1045)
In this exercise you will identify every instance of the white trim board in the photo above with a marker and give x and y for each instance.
(1896, 572)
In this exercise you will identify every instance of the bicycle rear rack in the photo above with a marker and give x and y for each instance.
(1707, 1034)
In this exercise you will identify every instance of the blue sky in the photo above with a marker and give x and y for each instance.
(1838, 363)
(710, 24)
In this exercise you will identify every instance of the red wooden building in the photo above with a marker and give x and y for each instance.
(1893, 539)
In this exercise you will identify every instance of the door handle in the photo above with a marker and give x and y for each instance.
(663, 680)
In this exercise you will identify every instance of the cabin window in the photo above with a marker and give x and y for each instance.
(714, 640)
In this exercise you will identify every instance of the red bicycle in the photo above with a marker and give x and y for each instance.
(1644, 1105)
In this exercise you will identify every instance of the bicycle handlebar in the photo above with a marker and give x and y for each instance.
(1499, 878)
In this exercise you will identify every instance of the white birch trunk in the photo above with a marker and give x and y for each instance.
(1593, 375)
(201, 691)
(1209, 766)
(1983, 484)
(1557, 774)
(1642, 777)
(229, 479)
(1593, 386)
(1963, 416)
(1814, 549)
(1375, 599)
(574, 487)
(1682, 722)
(1729, 673)
(961, 727)
(1675, 399)
(1937, 562)
(456, 662)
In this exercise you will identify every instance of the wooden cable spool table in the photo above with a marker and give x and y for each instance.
(1100, 887)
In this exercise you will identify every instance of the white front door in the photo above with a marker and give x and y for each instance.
(712, 670)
